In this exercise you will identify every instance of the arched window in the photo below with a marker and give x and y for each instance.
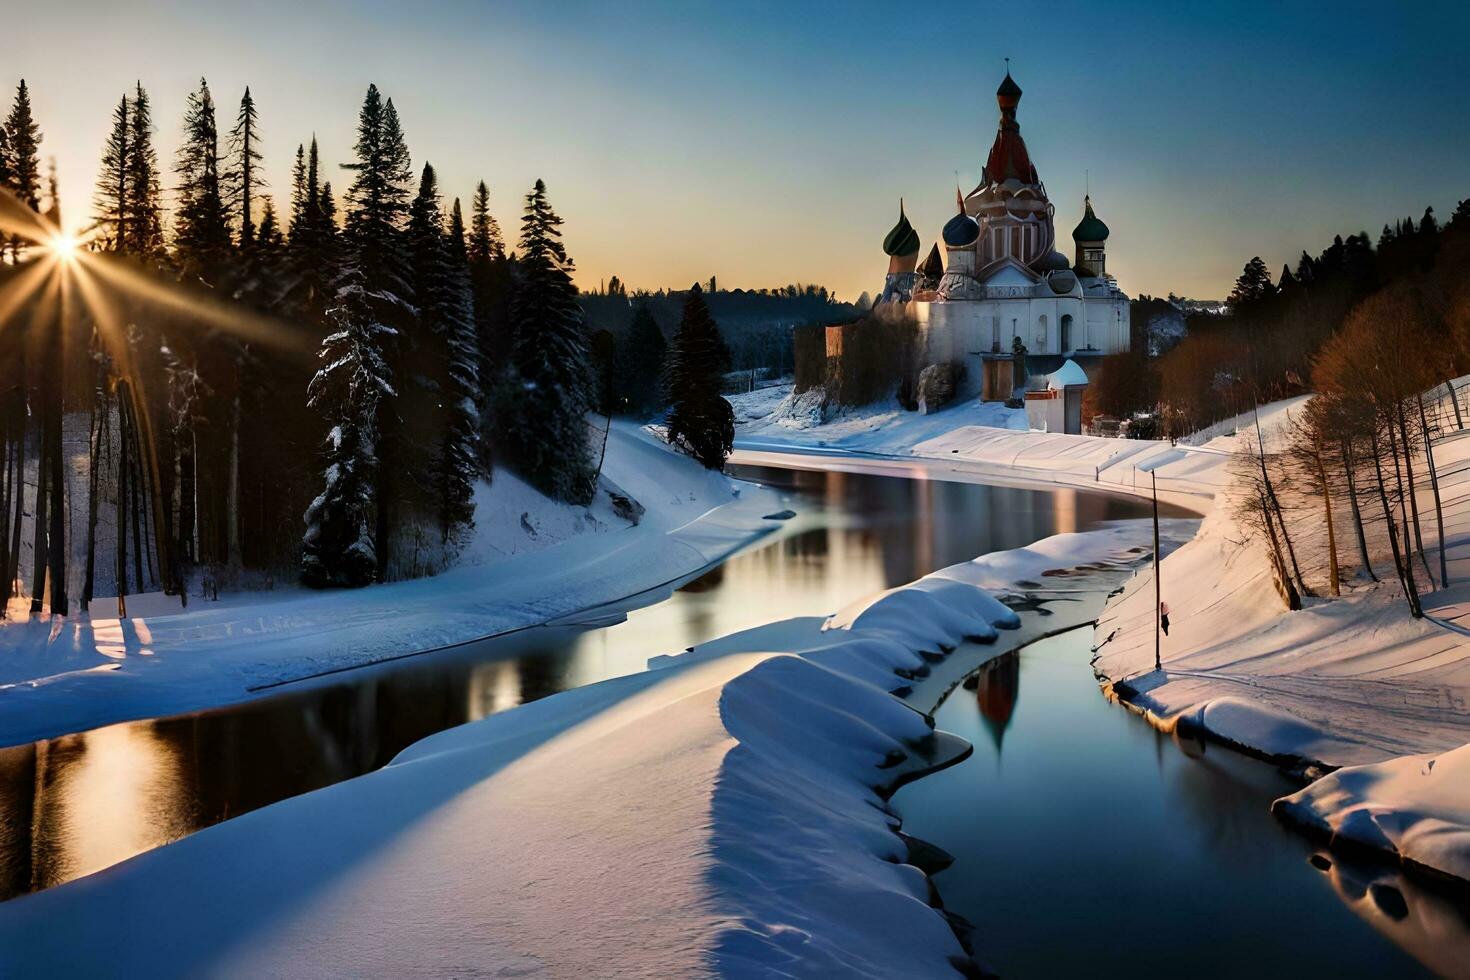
(1066, 338)
(1041, 333)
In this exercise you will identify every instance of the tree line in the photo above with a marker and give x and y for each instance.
(380, 354)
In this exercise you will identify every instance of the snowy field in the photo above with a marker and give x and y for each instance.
(532, 561)
(727, 809)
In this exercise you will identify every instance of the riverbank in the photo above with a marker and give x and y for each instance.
(727, 809)
(1349, 683)
(531, 562)
(986, 442)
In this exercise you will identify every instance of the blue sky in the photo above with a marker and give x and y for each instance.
(769, 143)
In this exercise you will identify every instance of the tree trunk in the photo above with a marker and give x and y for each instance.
(1411, 493)
(122, 506)
(41, 522)
(55, 463)
(1332, 569)
(1293, 598)
(1444, 568)
(1349, 464)
(1402, 564)
(99, 430)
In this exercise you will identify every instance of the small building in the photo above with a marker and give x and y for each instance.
(1056, 405)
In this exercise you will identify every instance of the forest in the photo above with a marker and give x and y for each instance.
(204, 389)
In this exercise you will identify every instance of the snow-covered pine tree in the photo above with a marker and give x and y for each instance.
(446, 354)
(202, 225)
(339, 546)
(144, 212)
(547, 438)
(377, 205)
(244, 180)
(701, 422)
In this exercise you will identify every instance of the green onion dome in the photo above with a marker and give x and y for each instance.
(902, 240)
(1090, 228)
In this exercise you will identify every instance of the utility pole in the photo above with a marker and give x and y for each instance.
(1158, 589)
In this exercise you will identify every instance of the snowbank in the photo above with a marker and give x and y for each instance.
(723, 815)
(1350, 681)
(775, 418)
(985, 441)
(1417, 807)
(532, 561)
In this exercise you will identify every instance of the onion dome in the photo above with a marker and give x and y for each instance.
(1008, 88)
(902, 240)
(1053, 261)
(961, 230)
(933, 266)
(1090, 228)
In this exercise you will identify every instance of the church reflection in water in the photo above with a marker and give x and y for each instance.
(997, 686)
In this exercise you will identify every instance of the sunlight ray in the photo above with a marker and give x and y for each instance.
(232, 318)
(15, 294)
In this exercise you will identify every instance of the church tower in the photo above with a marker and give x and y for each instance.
(1091, 237)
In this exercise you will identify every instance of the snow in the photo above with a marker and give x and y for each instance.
(775, 418)
(984, 442)
(1345, 682)
(75, 674)
(723, 814)
(1349, 682)
(1070, 373)
(1417, 807)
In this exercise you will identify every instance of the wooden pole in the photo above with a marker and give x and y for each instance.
(1158, 588)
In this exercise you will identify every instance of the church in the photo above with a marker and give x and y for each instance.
(995, 294)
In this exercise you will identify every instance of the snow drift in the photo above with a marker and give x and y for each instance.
(723, 815)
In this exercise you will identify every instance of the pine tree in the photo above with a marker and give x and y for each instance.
(446, 354)
(339, 547)
(142, 208)
(202, 230)
(701, 422)
(22, 156)
(377, 201)
(490, 282)
(641, 363)
(485, 243)
(244, 180)
(547, 439)
(20, 174)
(110, 205)
(5, 159)
(377, 204)
(1254, 283)
(312, 254)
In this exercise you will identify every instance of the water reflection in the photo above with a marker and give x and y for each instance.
(76, 804)
(1099, 833)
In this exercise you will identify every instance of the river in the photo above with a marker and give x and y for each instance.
(73, 805)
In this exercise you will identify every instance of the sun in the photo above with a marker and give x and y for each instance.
(64, 247)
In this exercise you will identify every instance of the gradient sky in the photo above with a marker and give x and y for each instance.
(769, 143)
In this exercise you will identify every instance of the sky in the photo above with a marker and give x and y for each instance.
(768, 143)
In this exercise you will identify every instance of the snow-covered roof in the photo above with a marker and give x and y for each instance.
(1068, 374)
